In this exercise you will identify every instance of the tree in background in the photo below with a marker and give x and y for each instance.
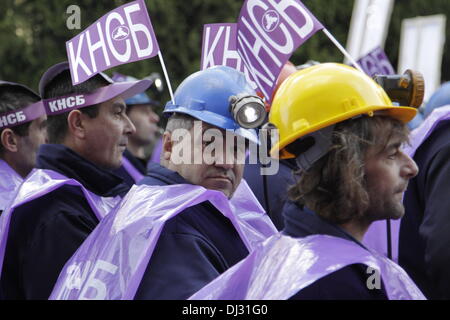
(33, 33)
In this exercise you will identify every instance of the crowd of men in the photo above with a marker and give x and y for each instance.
(85, 215)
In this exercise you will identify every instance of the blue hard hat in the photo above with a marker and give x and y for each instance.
(140, 98)
(205, 95)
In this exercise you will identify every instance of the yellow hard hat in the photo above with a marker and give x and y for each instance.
(323, 95)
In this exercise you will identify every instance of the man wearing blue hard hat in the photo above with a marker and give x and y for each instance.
(60, 204)
(141, 113)
(200, 243)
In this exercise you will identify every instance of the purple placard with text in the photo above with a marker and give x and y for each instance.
(220, 48)
(121, 36)
(376, 62)
(269, 31)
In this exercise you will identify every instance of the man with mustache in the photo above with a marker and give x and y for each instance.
(199, 243)
(88, 131)
(353, 170)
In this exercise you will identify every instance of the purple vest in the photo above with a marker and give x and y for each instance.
(9, 182)
(39, 183)
(111, 262)
(422, 132)
(376, 237)
(282, 266)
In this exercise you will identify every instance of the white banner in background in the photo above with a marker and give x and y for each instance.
(369, 26)
(421, 48)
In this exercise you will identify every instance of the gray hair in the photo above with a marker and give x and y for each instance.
(178, 121)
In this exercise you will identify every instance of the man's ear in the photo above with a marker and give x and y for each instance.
(9, 140)
(167, 145)
(76, 124)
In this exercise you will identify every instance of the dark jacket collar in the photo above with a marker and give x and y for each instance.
(65, 161)
(158, 172)
(302, 222)
(138, 163)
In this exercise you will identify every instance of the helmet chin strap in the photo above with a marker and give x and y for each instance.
(322, 143)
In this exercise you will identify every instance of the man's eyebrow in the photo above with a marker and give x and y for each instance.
(394, 145)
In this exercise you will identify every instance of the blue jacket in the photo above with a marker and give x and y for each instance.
(195, 247)
(45, 232)
(424, 244)
(348, 283)
(138, 164)
(277, 186)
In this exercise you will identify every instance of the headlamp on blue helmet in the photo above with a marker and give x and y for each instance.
(222, 97)
(248, 111)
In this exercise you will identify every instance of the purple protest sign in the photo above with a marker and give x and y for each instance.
(376, 62)
(220, 48)
(269, 31)
(121, 36)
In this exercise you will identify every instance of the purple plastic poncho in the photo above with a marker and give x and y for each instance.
(376, 237)
(282, 266)
(421, 133)
(111, 262)
(39, 183)
(9, 182)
